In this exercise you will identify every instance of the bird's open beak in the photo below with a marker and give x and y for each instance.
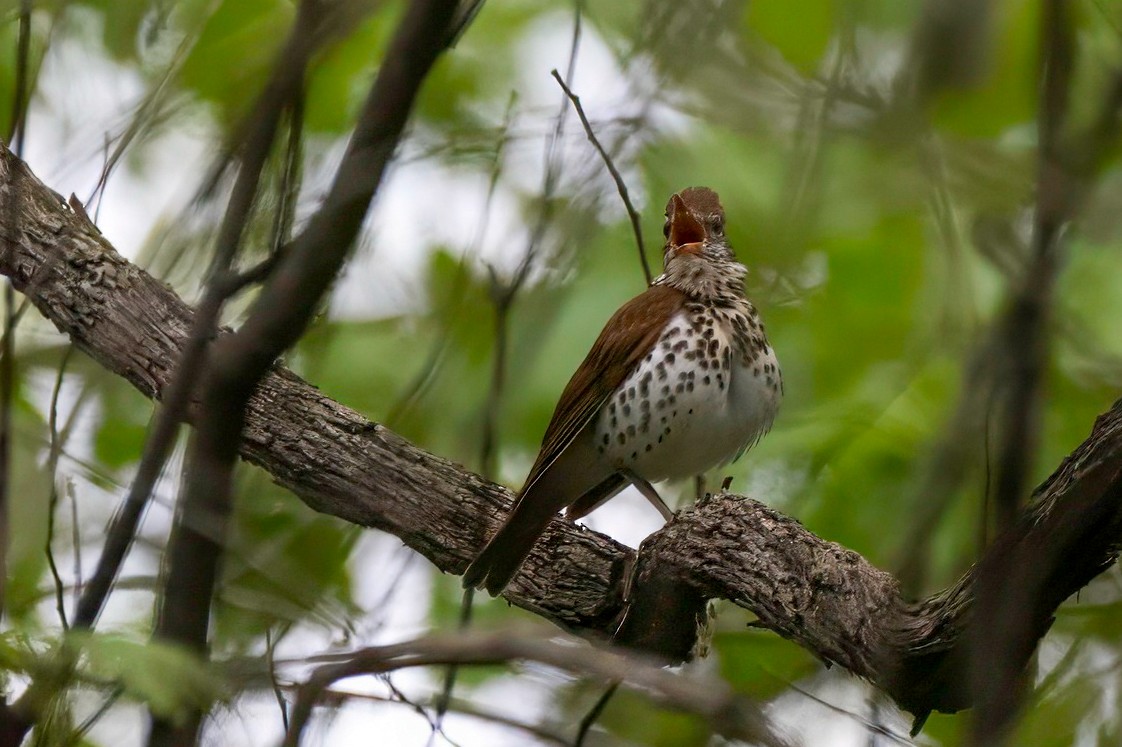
(686, 232)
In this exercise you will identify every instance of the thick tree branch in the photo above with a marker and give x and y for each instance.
(822, 596)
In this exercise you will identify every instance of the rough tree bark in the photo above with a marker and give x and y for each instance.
(814, 592)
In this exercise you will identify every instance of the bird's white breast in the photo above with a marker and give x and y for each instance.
(694, 403)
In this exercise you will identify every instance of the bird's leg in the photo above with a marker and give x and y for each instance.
(699, 487)
(649, 493)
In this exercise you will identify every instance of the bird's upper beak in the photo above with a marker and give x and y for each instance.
(686, 231)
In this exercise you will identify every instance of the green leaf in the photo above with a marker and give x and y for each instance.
(801, 42)
(759, 663)
(170, 680)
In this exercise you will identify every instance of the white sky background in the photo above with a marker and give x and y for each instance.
(82, 97)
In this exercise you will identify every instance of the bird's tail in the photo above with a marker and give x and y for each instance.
(501, 558)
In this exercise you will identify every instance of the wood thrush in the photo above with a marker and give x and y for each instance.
(681, 380)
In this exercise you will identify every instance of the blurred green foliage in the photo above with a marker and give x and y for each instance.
(883, 229)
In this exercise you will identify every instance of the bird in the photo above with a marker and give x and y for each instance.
(682, 379)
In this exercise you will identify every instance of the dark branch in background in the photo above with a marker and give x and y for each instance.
(1025, 347)
(16, 136)
(621, 186)
(11, 726)
(277, 319)
(727, 713)
(284, 84)
(830, 600)
(1005, 636)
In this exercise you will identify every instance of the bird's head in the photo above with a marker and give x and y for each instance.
(695, 225)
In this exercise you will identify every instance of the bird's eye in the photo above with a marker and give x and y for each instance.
(718, 225)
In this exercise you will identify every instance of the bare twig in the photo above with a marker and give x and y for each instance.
(726, 712)
(270, 662)
(594, 712)
(55, 450)
(412, 391)
(621, 186)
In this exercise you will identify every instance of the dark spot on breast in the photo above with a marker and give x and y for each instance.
(705, 380)
(627, 411)
(621, 438)
(648, 447)
(631, 431)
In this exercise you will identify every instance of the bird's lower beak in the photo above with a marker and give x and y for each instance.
(694, 247)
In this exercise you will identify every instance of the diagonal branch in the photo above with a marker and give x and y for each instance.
(820, 595)
(276, 320)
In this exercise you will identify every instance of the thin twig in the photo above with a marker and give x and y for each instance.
(594, 712)
(270, 662)
(621, 186)
(412, 391)
(52, 471)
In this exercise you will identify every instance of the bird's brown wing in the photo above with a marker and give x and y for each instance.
(627, 337)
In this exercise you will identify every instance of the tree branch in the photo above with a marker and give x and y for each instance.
(276, 320)
(818, 594)
(727, 713)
